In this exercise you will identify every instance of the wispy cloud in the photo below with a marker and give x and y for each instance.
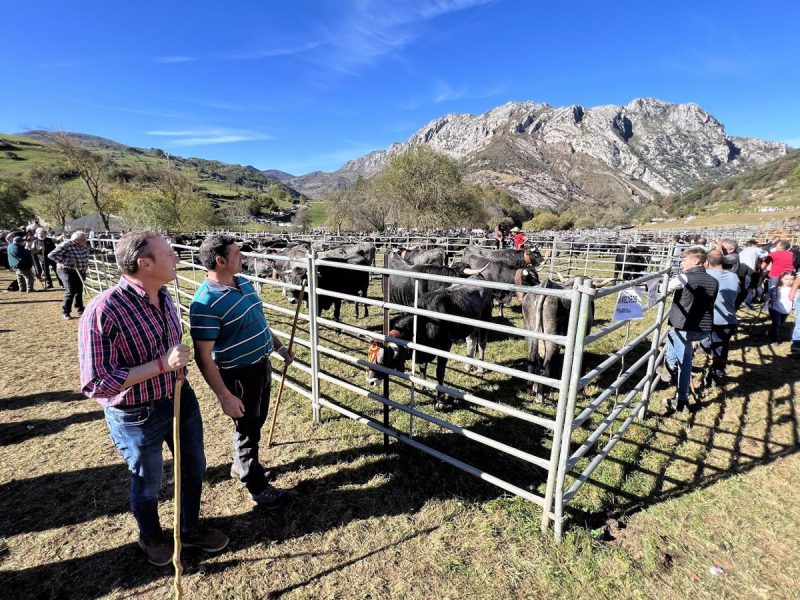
(170, 60)
(444, 92)
(203, 137)
(371, 30)
(277, 51)
(140, 111)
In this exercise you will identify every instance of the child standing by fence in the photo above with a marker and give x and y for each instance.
(779, 304)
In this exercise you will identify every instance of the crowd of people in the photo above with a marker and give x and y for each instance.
(33, 253)
(713, 283)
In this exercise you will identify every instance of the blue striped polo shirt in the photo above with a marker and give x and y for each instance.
(232, 317)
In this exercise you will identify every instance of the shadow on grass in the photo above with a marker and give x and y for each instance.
(381, 483)
(31, 301)
(718, 431)
(20, 431)
(18, 402)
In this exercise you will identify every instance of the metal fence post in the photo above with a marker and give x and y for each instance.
(586, 301)
(313, 329)
(555, 450)
(386, 326)
(651, 363)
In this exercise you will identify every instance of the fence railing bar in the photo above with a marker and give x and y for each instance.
(509, 487)
(615, 357)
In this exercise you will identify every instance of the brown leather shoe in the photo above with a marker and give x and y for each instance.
(207, 539)
(158, 549)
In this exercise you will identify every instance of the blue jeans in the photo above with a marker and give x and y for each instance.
(796, 331)
(679, 355)
(139, 434)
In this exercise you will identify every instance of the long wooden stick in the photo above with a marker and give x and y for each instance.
(176, 469)
(285, 367)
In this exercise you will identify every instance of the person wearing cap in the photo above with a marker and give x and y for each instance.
(20, 259)
(519, 238)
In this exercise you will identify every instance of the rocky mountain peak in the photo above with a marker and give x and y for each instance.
(548, 156)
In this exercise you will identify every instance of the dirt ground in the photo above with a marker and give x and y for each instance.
(704, 505)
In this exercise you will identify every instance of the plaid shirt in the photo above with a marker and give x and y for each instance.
(72, 256)
(121, 329)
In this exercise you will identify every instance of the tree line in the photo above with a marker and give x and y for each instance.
(424, 189)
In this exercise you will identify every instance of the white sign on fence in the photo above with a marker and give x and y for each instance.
(628, 306)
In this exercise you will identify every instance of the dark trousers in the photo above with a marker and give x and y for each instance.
(73, 290)
(778, 319)
(718, 344)
(252, 385)
(41, 266)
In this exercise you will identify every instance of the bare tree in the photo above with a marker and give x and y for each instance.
(178, 189)
(302, 218)
(92, 167)
(56, 201)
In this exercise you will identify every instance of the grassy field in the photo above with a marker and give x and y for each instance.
(679, 495)
(756, 219)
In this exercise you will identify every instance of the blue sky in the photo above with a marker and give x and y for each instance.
(307, 85)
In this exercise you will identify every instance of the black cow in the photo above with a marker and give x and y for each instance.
(502, 272)
(631, 263)
(401, 289)
(514, 258)
(334, 279)
(461, 300)
(360, 253)
(418, 256)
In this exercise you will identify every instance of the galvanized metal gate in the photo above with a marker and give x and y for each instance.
(574, 448)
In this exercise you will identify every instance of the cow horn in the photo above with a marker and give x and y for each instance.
(603, 282)
(558, 276)
(475, 271)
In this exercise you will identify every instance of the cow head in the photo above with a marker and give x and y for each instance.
(294, 276)
(527, 276)
(533, 257)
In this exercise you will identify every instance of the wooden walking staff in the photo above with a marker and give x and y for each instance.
(176, 458)
(176, 468)
(285, 366)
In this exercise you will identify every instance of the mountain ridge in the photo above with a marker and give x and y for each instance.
(551, 156)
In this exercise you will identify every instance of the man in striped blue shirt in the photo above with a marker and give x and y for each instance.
(232, 344)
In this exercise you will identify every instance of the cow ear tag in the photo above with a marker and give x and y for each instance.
(372, 355)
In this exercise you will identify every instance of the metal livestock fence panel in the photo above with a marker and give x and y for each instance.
(547, 439)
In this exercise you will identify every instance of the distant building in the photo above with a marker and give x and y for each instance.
(94, 222)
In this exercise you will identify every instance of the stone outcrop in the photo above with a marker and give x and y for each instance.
(549, 156)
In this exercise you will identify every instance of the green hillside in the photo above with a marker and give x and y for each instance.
(225, 186)
(772, 188)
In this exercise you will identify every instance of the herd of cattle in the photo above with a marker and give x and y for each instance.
(541, 313)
